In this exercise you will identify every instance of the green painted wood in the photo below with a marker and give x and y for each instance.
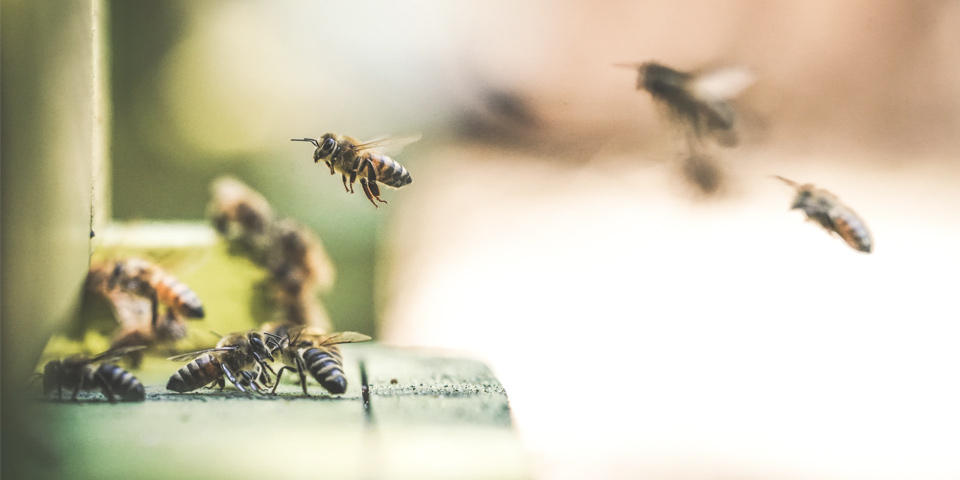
(429, 416)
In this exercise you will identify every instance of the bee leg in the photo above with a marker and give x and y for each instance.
(232, 378)
(330, 164)
(104, 385)
(154, 311)
(303, 377)
(345, 187)
(279, 374)
(369, 183)
(220, 383)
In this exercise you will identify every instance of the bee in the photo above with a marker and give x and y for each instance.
(825, 209)
(352, 159)
(298, 261)
(80, 372)
(233, 357)
(169, 329)
(701, 100)
(243, 217)
(312, 350)
(150, 281)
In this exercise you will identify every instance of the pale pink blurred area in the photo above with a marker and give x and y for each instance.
(642, 333)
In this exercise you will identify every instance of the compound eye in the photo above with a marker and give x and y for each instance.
(328, 146)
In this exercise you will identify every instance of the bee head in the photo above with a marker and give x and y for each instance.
(802, 200)
(115, 275)
(326, 148)
(51, 375)
(260, 350)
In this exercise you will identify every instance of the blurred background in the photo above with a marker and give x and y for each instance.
(640, 325)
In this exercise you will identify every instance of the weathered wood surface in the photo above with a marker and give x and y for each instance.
(429, 416)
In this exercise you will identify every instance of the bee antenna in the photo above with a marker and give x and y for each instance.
(311, 140)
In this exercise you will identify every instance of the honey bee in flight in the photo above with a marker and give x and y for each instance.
(701, 100)
(80, 372)
(243, 217)
(150, 281)
(352, 159)
(826, 210)
(312, 350)
(240, 357)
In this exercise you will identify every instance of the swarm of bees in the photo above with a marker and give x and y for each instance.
(353, 159)
(79, 372)
(824, 209)
(135, 289)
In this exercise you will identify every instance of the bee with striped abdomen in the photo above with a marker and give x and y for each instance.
(701, 100)
(826, 210)
(352, 159)
(240, 357)
(311, 350)
(150, 281)
(80, 372)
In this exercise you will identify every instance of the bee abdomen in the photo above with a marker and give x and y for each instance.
(853, 231)
(389, 172)
(179, 297)
(195, 374)
(326, 366)
(122, 383)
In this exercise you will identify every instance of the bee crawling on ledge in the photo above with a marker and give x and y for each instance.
(80, 372)
(353, 158)
(826, 210)
(240, 357)
(314, 351)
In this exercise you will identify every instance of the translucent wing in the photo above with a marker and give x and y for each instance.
(192, 355)
(116, 353)
(342, 337)
(722, 84)
(391, 145)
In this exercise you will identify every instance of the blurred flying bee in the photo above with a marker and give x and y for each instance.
(243, 217)
(240, 357)
(168, 329)
(80, 372)
(352, 159)
(312, 350)
(701, 100)
(826, 210)
(704, 172)
(150, 281)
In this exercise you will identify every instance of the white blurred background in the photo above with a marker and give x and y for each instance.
(640, 327)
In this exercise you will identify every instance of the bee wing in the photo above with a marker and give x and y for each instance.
(342, 337)
(722, 84)
(192, 355)
(116, 353)
(386, 144)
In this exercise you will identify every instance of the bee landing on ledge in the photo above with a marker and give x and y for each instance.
(826, 210)
(352, 159)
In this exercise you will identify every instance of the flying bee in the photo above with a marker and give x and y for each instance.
(312, 350)
(701, 100)
(352, 159)
(234, 357)
(826, 210)
(80, 372)
(150, 281)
